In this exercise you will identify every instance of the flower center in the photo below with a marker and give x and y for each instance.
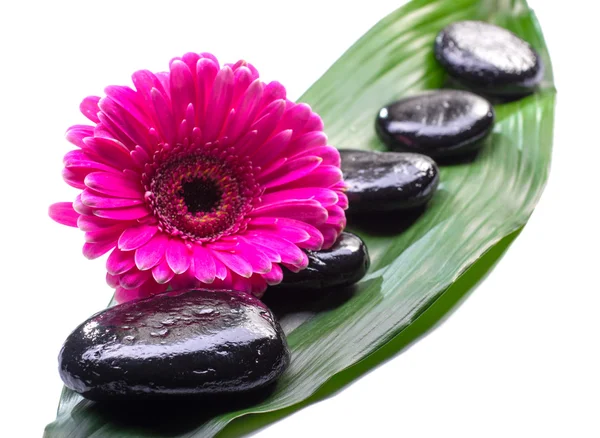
(202, 197)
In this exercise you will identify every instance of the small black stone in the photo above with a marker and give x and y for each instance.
(388, 181)
(440, 123)
(489, 59)
(185, 344)
(345, 263)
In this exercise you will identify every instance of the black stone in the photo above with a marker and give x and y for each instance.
(178, 344)
(345, 263)
(440, 123)
(388, 181)
(488, 59)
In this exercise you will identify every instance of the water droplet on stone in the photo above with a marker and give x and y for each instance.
(160, 333)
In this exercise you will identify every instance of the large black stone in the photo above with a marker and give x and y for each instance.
(388, 181)
(488, 59)
(177, 344)
(346, 262)
(440, 123)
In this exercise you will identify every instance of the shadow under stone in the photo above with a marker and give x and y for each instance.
(389, 223)
(451, 83)
(466, 158)
(283, 301)
(164, 418)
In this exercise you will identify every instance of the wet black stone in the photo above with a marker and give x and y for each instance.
(439, 123)
(175, 345)
(345, 263)
(388, 181)
(488, 59)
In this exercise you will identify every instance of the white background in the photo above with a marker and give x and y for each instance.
(520, 358)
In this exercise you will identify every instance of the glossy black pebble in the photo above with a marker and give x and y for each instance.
(388, 181)
(488, 59)
(346, 262)
(177, 344)
(436, 123)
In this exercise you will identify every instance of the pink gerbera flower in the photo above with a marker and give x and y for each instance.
(201, 176)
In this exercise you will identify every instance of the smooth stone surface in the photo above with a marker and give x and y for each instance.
(440, 123)
(345, 263)
(388, 181)
(177, 344)
(489, 59)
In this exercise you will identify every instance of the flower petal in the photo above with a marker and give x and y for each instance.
(131, 101)
(162, 273)
(151, 253)
(75, 134)
(288, 252)
(134, 279)
(78, 160)
(242, 78)
(246, 111)
(295, 118)
(182, 87)
(266, 124)
(95, 250)
(290, 171)
(114, 185)
(105, 234)
(325, 196)
(258, 285)
(329, 154)
(274, 276)
(96, 200)
(123, 295)
(273, 91)
(330, 235)
(63, 213)
(134, 237)
(81, 208)
(204, 264)
(178, 256)
(206, 71)
(125, 213)
(184, 281)
(89, 108)
(91, 223)
(151, 288)
(323, 176)
(112, 280)
(308, 211)
(235, 262)
(108, 151)
(221, 270)
(119, 262)
(164, 116)
(273, 255)
(259, 262)
(307, 142)
(218, 104)
(74, 177)
(272, 149)
(125, 122)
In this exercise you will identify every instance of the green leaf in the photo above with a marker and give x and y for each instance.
(421, 267)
